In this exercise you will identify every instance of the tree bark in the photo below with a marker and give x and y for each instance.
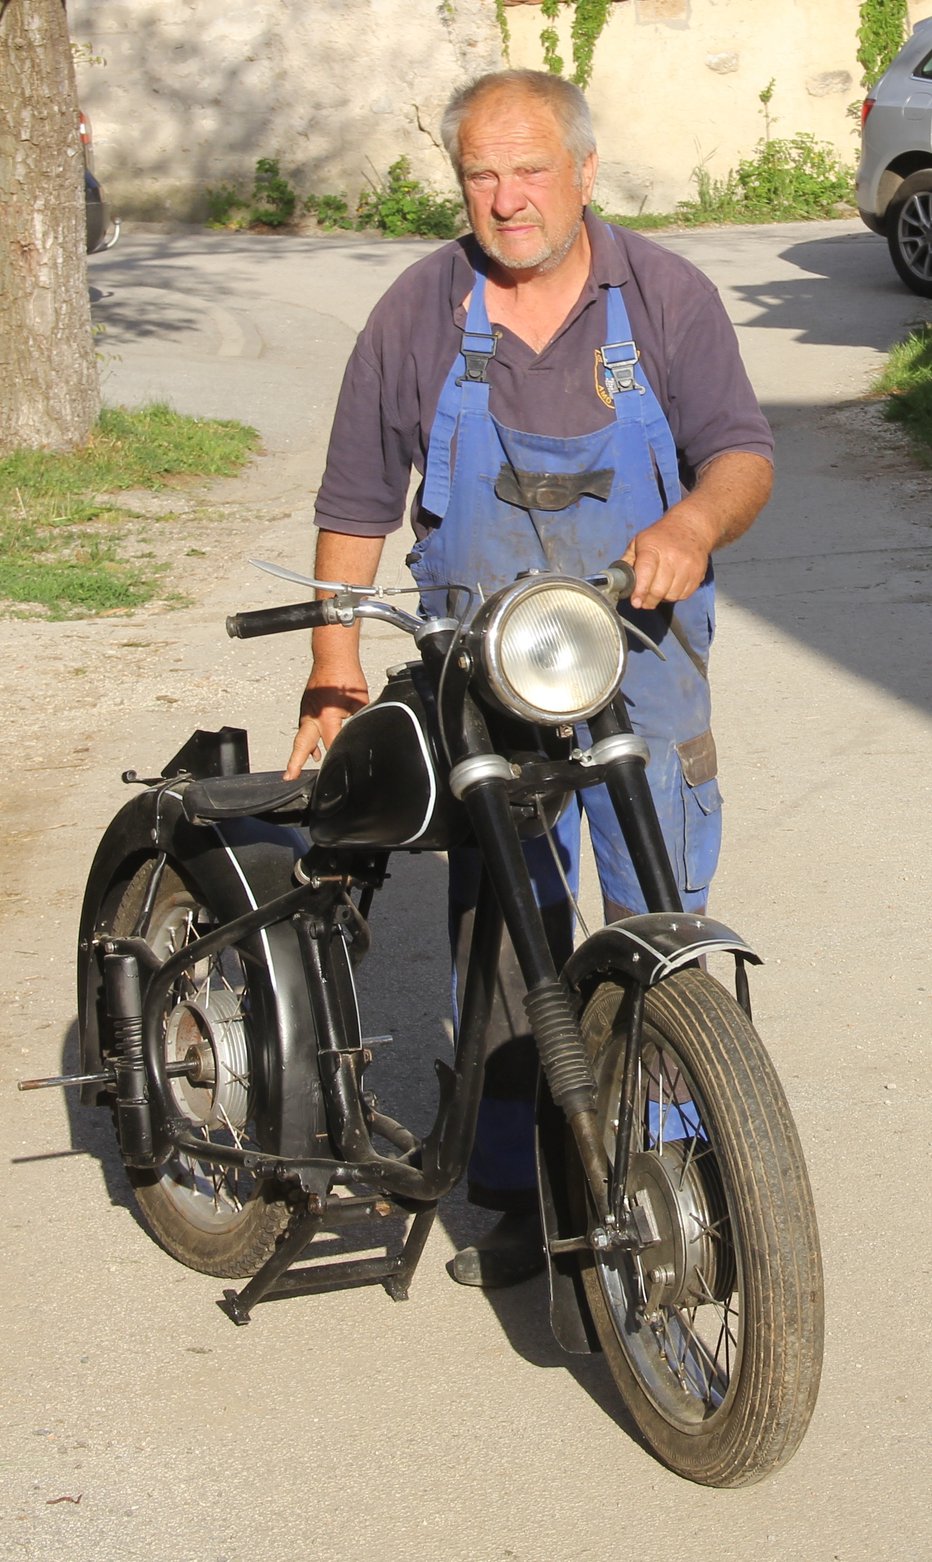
(49, 386)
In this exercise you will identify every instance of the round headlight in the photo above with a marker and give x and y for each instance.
(551, 648)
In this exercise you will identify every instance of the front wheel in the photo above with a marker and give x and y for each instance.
(221, 1220)
(713, 1329)
(909, 232)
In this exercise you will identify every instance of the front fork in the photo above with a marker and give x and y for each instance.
(481, 781)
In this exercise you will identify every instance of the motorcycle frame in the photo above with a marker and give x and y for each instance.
(490, 790)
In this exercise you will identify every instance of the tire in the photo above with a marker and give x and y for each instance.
(909, 232)
(220, 1220)
(713, 1332)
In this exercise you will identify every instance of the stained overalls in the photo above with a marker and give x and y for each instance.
(512, 501)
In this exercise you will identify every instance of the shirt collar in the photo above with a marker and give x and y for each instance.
(609, 266)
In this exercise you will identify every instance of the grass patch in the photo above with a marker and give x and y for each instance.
(642, 222)
(907, 383)
(61, 527)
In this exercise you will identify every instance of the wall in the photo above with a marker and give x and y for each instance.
(676, 84)
(194, 91)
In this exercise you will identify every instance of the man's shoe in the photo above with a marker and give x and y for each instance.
(512, 1251)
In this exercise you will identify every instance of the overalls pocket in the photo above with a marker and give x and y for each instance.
(702, 809)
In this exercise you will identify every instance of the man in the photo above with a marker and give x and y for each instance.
(547, 345)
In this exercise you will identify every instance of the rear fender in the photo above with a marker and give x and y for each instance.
(235, 866)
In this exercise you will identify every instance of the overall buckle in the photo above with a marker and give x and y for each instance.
(619, 360)
(478, 348)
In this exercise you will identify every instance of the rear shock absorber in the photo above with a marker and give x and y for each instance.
(124, 1010)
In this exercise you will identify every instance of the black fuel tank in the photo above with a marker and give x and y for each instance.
(383, 781)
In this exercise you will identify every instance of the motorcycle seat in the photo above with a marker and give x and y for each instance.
(260, 793)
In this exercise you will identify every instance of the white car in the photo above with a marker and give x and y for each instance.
(894, 182)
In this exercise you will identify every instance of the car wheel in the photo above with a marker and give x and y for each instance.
(909, 232)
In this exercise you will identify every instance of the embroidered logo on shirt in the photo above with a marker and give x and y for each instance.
(599, 376)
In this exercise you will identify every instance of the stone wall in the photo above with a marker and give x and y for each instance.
(192, 92)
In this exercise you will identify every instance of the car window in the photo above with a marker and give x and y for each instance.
(925, 68)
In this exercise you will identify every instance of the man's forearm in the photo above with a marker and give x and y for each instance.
(730, 493)
(342, 557)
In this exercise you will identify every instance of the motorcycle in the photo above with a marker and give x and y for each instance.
(227, 911)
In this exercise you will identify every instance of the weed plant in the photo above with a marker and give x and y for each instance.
(61, 525)
(271, 204)
(400, 205)
(907, 383)
(786, 180)
(330, 211)
(273, 198)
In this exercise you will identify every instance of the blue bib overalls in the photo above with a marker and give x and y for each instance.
(510, 501)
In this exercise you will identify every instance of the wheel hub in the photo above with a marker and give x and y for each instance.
(208, 1035)
(690, 1259)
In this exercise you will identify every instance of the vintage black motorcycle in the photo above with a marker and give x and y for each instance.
(225, 914)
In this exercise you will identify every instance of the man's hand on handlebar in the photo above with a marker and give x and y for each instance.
(669, 560)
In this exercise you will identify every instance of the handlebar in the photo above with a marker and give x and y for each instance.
(617, 580)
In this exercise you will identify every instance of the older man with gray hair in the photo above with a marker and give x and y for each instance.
(569, 393)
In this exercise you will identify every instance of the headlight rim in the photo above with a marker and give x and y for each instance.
(488, 631)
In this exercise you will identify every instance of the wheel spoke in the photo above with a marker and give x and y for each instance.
(915, 235)
(706, 1375)
(216, 987)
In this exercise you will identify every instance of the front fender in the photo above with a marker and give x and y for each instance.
(235, 866)
(649, 948)
(640, 949)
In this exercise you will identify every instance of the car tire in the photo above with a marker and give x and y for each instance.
(909, 232)
(95, 213)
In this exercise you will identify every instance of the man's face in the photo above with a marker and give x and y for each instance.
(523, 193)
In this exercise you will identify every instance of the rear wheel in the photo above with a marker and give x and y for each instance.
(713, 1330)
(909, 232)
(220, 1220)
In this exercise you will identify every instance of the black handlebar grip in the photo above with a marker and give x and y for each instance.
(276, 620)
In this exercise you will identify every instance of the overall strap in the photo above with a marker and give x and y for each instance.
(635, 402)
(465, 390)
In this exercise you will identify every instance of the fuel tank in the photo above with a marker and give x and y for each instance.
(383, 781)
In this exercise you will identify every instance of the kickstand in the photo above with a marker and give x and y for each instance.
(395, 1271)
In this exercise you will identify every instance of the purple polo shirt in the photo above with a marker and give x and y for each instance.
(393, 380)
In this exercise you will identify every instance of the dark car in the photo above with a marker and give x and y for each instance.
(103, 230)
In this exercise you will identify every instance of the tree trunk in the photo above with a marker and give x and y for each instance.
(49, 388)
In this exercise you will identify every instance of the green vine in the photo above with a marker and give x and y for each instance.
(589, 18)
(588, 21)
(881, 35)
(550, 38)
(503, 28)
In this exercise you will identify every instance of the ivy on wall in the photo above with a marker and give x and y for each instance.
(589, 18)
(881, 35)
(884, 25)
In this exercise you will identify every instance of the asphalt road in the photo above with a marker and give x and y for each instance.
(138, 1424)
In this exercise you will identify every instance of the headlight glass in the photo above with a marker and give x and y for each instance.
(552, 649)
